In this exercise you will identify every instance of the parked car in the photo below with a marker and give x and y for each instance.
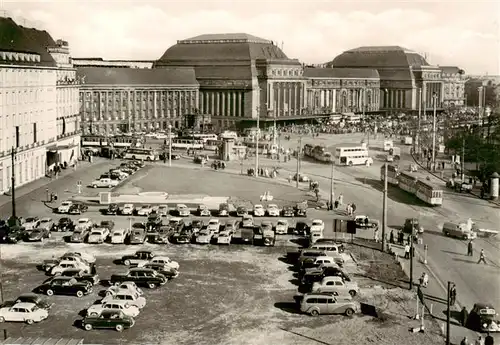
(412, 226)
(273, 210)
(288, 211)
(317, 225)
(185, 236)
(15, 234)
(302, 228)
(78, 209)
(84, 223)
(104, 183)
(316, 304)
(81, 276)
(335, 283)
(79, 235)
(203, 211)
(223, 210)
(247, 221)
(38, 300)
(163, 210)
(112, 209)
(67, 264)
(140, 276)
(282, 227)
(163, 234)
(138, 235)
(140, 256)
(164, 260)
(110, 319)
(107, 224)
(37, 235)
(167, 271)
(117, 304)
(64, 207)
(365, 222)
(259, 211)
(64, 224)
(154, 220)
(31, 223)
(241, 211)
(127, 209)
(197, 225)
(301, 209)
(23, 312)
(182, 210)
(119, 236)
(46, 223)
(483, 318)
(204, 236)
(224, 237)
(213, 226)
(116, 288)
(65, 286)
(144, 210)
(98, 235)
(85, 257)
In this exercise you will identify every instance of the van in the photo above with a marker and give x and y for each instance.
(314, 236)
(318, 303)
(458, 230)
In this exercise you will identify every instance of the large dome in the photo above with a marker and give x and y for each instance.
(379, 57)
(220, 47)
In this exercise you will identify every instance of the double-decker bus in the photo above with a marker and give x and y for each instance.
(141, 154)
(187, 143)
(352, 155)
(392, 174)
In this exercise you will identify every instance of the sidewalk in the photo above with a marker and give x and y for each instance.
(435, 295)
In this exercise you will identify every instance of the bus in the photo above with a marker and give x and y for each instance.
(229, 135)
(141, 154)
(353, 155)
(205, 136)
(93, 140)
(187, 143)
(392, 174)
(429, 193)
(212, 145)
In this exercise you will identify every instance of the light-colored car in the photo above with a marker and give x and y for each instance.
(163, 210)
(31, 223)
(317, 225)
(174, 222)
(125, 286)
(247, 221)
(122, 175)
(86, 257)
(104, 183)
(213, 225)
(204, 236)
(99, 235)
(203, 211)
(66, 264)
(46, 223)
(127, 209)
(23, 312)
(119, 236)
(182, 210)
(316, 304)
(64, 207)
(83, 223)
(144, 210)
(164, 260)
(224, 237)
(282, 227)
(314, 236)
(336, 284)
(273, 210)
(259, 211)
(117, 304)
(132, 298)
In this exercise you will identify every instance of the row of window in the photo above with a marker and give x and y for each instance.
(26, 171)
(10, 77)
(137, 95)
(22, 97)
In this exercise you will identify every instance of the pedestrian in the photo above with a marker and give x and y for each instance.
(470, 249)
(336, 204)
(341, 199)
(464, 341)
(353, 207)
(424, 280)
(408, 240)
(453, 295)
(479, 341)
(375, 236)
(489, 340)
(391, 237)
(481, 256)
(407, 251)
(463, 316)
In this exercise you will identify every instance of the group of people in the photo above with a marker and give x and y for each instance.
(488, 340)
(470, 252)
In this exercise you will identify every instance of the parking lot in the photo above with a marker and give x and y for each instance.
(237, 294)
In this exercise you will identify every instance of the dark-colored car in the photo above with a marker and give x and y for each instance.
(301, 209)
(138, 236)
(241, 211)
(112, 209)
(185, 236)
(108, 319)
(168, 272)
(38, 234)
(411, 226)
(315, 276)
(38, 300)
(139, 164)
(14, 234)
(64, 224)
(154, 220)
(163, 234)
(197, 225)
(107, 224)
(482, 318)
(65, 286)
(141, 277)
(78, 209)
(81, 276)
(288, 211)
(302, 228)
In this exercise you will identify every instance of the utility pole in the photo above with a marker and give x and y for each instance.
(13, 178)
(384, 207)
(332, 184)
(463, 158)
(434, 96)
(448, 313)
(169, 145)
(257, 143)
(299, 148)
(416, 146)
(411, 253)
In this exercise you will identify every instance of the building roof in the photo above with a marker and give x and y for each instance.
(137, 76)
(220, 47)
(451, 70)
(379, 56)
(17, 38)
(224, 72)
(340, 73)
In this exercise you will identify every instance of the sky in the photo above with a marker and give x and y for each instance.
(449, 33)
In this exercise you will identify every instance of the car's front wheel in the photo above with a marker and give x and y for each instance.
(119, 328)
(151, 285)
(314, 312)
(49, 292)
(79, 294)
(349, 312)
(2, 319)
(352, 293)
(88, 327)
(29, 321)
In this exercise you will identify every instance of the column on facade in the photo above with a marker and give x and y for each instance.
(290, 99)
(238, 103)
(223, 103)
(278, 99)
(424, 95)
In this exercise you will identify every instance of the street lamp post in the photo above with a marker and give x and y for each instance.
(13, 193)
(169, 145)
(332, 179)
(257, 143)
(416, 147)
(434, 97)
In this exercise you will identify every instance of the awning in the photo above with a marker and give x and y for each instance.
(57, 148)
